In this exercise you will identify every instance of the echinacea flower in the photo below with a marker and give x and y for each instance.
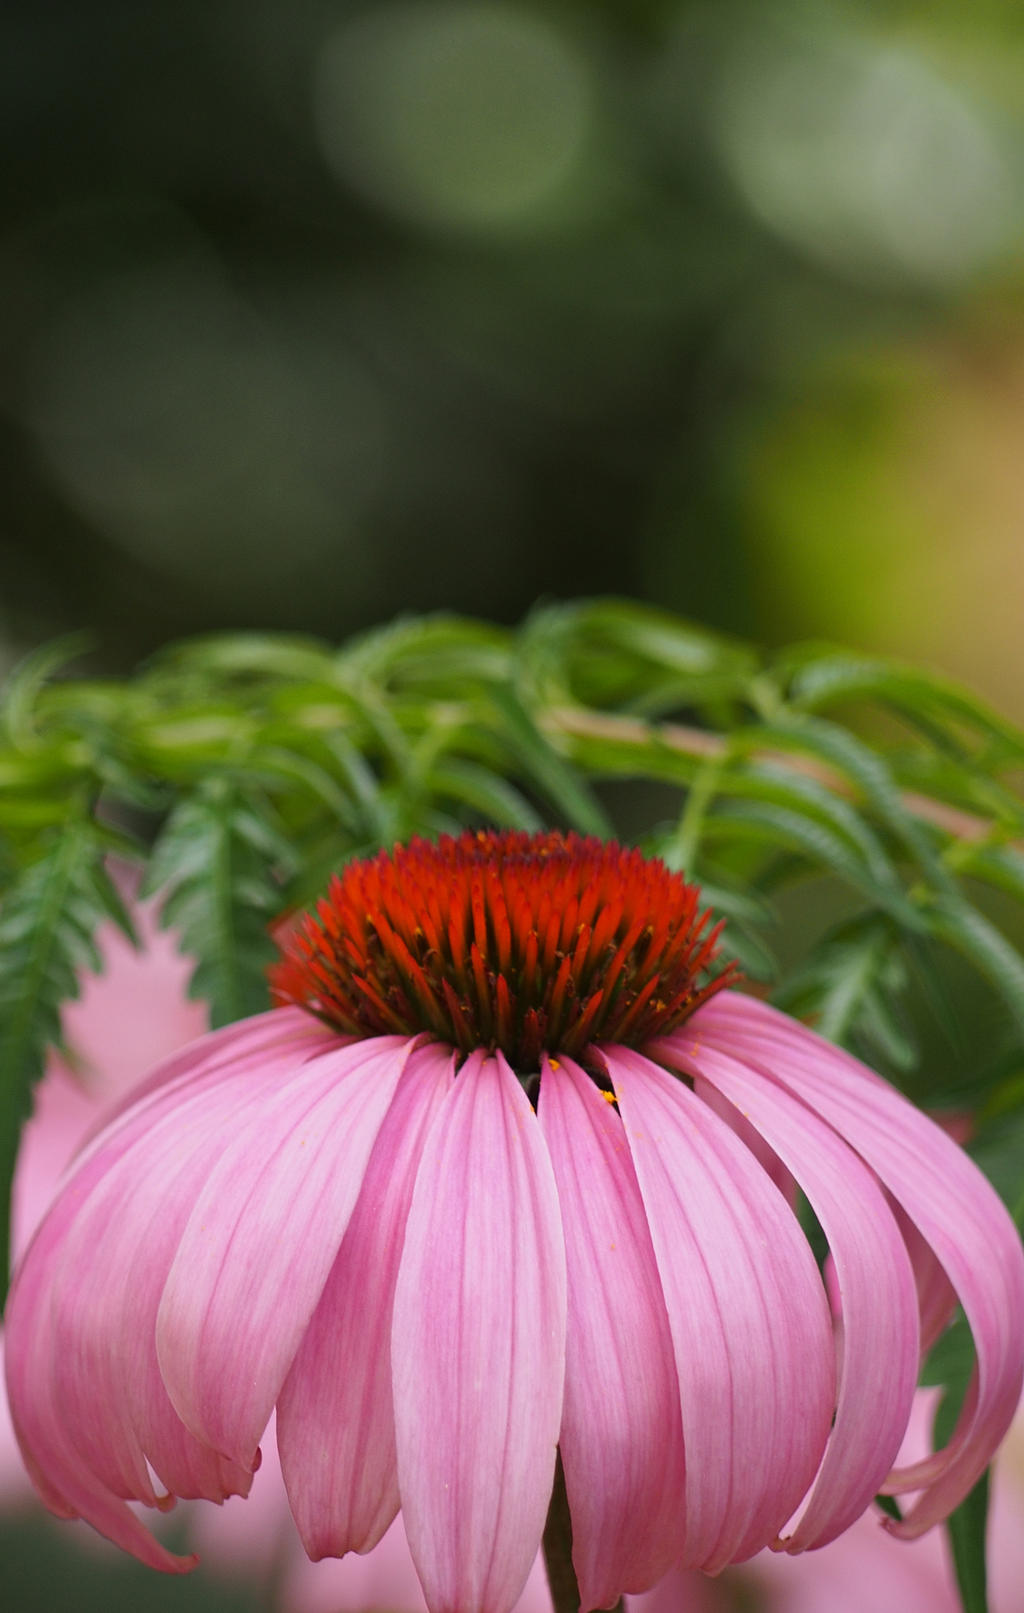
(511, 1168)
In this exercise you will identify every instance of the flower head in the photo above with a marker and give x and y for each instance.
(523, 943)
(509, 1168)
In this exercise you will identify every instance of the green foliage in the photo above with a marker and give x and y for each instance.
(219, 863)
(950, 1365)
(240, 770)
(51, 911)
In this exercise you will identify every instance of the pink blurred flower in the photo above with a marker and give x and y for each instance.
(133, 1014)
(866, 1568)
(435, 1281)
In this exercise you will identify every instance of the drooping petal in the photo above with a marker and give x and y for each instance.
(749, 1318)
(262, 1237)
(622, 1437)
(58, 1471)
(478, 1345)
(335, 1414)
(936, 1296)
(83, 1465)
(87, 1292)
(759, 1146)
(944, 1194)
(246, 1044)
(878, 1338)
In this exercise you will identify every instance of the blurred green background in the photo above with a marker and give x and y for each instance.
(315, 312)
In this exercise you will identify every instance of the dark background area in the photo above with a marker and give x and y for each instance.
(317, 312)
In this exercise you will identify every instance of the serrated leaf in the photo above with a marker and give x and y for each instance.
(248, 656)
(622, 654)
(881, 1037)
(772, 782)
(658, 636)
(870, 775)
(357, 772)
(48, 924)
(821, 677)
(998, 1150)
(273, 765)
(823, 848)
(845, 987)
(23, 684)
(215, 865)
(976, 938)
(486, 792)
(550, 773)
(436, 655)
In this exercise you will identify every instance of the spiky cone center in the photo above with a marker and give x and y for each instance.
(525, 943)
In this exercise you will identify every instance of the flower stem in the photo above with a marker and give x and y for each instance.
(565, 1593)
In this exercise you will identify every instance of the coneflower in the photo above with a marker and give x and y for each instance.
(512, 1170)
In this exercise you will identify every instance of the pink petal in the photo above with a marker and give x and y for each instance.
(944, 1194)
(749, 1318)
(81, 1348)
(622, 1437)
(936, 1296)
(478, 1347)
(262, 1237)
(878, 1341)
(281, 1030)
(335, 1417)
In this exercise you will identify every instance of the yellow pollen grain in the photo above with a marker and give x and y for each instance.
(553, 1064)
(609, 1097)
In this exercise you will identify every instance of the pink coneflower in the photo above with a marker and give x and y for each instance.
(509, 1170)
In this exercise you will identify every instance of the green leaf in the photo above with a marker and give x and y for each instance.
(772, 781)
(434, 655)
(751, 951)
(23, 684)
(999, 866)
(951, 1364)
(550, 773)
(485, 792)
(972, 935)
(998, 1150)
(967, 1531)
(951, 1360)
(246, 657)
(966, 1527)
(618, 653)
(870, 775)
(847, 986)
(219, 864)
(822, 676)
(826, 850)
(890, 1506)
(48, 924)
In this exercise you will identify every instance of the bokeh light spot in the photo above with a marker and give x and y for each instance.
(192, 434)
(862, 155)
(461, 116)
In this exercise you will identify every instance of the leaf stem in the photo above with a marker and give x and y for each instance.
(578, 723)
